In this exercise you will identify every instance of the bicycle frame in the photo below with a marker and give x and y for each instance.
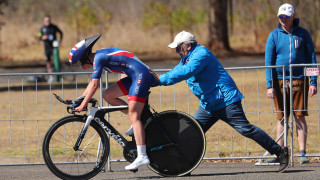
(97, 114)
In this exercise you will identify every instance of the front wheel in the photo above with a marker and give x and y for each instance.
(185, 152)
(63, 160)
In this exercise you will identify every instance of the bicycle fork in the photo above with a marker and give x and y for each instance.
(90, 117)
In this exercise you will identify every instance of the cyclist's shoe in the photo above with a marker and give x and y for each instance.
(284, 159)
(272, 160)
(129, 132)
(140, 161)
(303, 160)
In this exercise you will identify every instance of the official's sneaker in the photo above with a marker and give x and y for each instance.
(129, 132)
(304, 160)
(284, 159)
(140, 161)
(272, 160)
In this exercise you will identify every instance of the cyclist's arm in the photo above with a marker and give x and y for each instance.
(89, 92)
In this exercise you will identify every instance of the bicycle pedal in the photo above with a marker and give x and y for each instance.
(134, 170)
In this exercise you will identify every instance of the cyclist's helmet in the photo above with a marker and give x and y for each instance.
(81, 51)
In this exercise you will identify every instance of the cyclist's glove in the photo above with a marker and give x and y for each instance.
(74, 105)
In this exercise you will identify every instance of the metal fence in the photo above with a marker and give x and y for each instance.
(28, 109)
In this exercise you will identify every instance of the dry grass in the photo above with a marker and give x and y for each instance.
(31, 115)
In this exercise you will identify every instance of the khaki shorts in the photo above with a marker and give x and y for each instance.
(299, 95)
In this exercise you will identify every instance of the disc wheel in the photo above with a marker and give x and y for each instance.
(187, 150)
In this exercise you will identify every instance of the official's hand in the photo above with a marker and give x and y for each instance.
(270, 93)
(312, 90)
(155, 75)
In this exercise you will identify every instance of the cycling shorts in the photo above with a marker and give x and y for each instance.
(137, 86)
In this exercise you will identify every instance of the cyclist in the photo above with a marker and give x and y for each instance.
(136, 85)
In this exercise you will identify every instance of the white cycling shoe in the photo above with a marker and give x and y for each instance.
(140, 161)
(129, 132)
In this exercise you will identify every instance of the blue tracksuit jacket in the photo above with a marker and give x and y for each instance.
(206, 78)
(294, 48)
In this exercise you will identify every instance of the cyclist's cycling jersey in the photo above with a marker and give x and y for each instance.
(139, 79)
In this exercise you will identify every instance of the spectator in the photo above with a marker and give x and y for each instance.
(290, 44)
(218, 94)
(48, 34)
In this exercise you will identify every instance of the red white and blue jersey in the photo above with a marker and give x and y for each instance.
(139, 79)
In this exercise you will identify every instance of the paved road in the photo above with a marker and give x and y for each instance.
(206, 170)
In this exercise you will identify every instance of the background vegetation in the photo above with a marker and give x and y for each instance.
(141, 26)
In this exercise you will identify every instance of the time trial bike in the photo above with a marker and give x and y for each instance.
(77, 146)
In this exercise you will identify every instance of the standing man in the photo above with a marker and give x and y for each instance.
(290, 44)
(48, 34)
(218, 94)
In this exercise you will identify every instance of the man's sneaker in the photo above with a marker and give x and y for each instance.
(303, 160)
(140, 161)
(50, 79)
(129, 132)
(272, 160)
(284, 159)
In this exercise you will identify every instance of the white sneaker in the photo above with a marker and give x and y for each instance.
(140, 161)
(129, 132)
(50, 79)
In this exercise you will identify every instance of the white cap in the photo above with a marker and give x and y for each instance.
(286, 9)
(182, 37)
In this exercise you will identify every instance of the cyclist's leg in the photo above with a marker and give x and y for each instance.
(138, 93)
(135, 109)
(116, 90)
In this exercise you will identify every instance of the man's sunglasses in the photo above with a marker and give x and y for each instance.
(178, 48)
(284, 17)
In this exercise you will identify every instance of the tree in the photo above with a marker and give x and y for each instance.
(159, 14)
(218, 25)
(309, 12)
(84, 19)
(3, 3)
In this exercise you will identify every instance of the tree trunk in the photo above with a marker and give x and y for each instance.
(218, 25)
